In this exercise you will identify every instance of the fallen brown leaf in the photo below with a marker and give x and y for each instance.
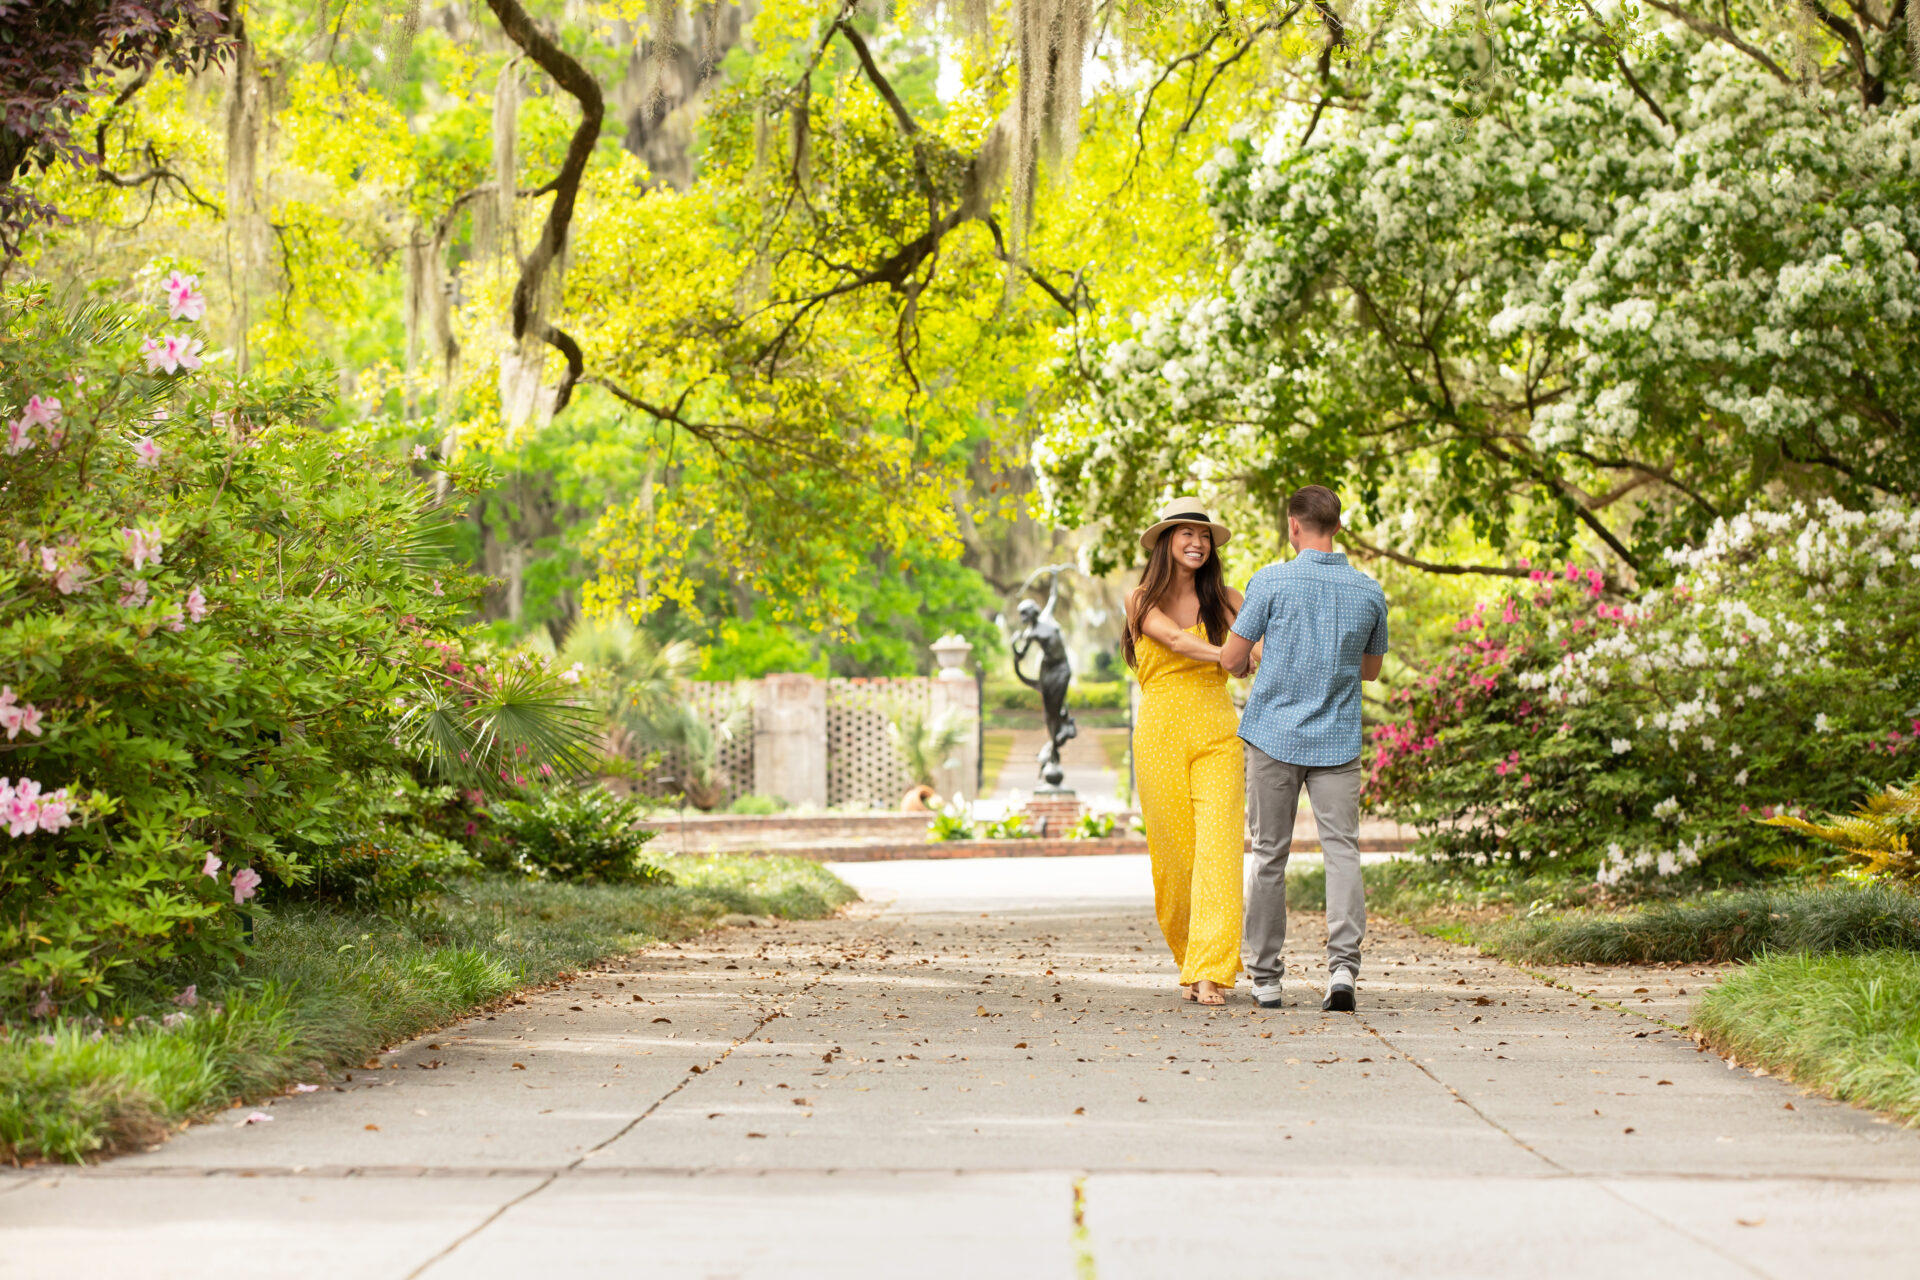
(519, 1066)
(1021, 1045)
(663, 1019)
(1079, 1111)
(374, 1127)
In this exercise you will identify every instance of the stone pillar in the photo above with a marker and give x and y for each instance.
(790, 739)
(954, 691)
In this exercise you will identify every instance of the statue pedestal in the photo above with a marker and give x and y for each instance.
(1059, 810)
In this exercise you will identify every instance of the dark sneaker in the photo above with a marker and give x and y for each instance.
(1339, 993)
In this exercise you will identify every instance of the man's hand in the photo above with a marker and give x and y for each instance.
(1236, 655)
(1370, 664)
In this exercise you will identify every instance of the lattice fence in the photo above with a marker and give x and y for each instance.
(863, 768)
(713, 701)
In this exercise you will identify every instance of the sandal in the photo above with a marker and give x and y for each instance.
(1219, 994)
(1186, 991)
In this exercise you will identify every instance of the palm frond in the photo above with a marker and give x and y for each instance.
(493, 734)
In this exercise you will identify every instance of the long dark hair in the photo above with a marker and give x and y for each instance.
(1156, 581)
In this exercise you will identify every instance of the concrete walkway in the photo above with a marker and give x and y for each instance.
(983, 1073)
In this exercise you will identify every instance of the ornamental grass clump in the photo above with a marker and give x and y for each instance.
(218, 627)
(1779, 672)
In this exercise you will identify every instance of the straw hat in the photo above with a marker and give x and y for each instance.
(1185, 511)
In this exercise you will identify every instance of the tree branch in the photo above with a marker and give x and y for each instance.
(1428, 566)
(1708, 27)
(572, 77)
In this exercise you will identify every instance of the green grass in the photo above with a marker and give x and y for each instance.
(325, 988)
(1719, 928)
(995, 746)
(1419, 889)
(1846, 1024)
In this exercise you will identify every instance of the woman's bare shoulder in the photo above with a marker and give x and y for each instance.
(1236, 599)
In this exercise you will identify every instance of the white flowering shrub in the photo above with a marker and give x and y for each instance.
(1779, 672)
(1510, 308)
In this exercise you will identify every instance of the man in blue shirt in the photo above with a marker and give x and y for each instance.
(1325, 627)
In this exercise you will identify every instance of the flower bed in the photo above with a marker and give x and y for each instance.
(1780, 671)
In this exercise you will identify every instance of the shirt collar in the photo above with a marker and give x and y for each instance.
(1320, 557)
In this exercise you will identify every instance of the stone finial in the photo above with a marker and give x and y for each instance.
(951, 651)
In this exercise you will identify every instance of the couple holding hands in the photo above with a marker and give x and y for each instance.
(1314, 627)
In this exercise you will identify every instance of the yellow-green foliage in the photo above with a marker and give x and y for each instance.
(1877, 836)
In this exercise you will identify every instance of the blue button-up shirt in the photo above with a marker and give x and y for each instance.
(1318, 616)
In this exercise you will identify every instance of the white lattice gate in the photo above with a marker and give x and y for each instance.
(864, 770)
(713, 701)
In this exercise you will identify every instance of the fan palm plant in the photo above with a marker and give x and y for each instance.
(926, 742)
(635, 676)
(491, 726)
(697, 745)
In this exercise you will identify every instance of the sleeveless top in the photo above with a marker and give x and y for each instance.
(1160, 669)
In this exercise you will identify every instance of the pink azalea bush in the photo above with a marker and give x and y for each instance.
(1632, 741)
(214, 623)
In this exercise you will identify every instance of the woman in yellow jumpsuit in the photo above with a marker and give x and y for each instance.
(1186, 749)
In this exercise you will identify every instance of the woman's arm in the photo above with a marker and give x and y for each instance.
(1246, 657)
(1162, 628)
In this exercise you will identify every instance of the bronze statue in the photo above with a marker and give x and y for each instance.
(1056, 672)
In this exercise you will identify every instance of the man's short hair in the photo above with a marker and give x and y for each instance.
(1316, 507)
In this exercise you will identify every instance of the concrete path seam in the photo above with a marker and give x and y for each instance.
(1486, 1119)
(486, 1222)
(1679, 1230)
(687, 1078)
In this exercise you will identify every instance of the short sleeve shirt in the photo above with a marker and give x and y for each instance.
(1318, 615)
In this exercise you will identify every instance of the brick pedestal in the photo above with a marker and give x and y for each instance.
(1058, 809)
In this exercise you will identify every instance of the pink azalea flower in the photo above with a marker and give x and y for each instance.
(68, 581)
(174, 621)
(211, 867)
(143, 546)
(43, 1008)
(306, 1088)
(23, 718)
(196, 604)
(42, 411)
(53, 812)
(184, 301)
(436, 588)
(148, 451)
(189, 996)
(23, 807)
(19, 436)
(133, 593)
(258, 1117)
(171, 353)
(419, 453)
(246, 883)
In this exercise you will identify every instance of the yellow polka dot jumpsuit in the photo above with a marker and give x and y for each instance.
(1188, 767)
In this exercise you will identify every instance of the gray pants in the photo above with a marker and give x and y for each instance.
(1273, 796)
